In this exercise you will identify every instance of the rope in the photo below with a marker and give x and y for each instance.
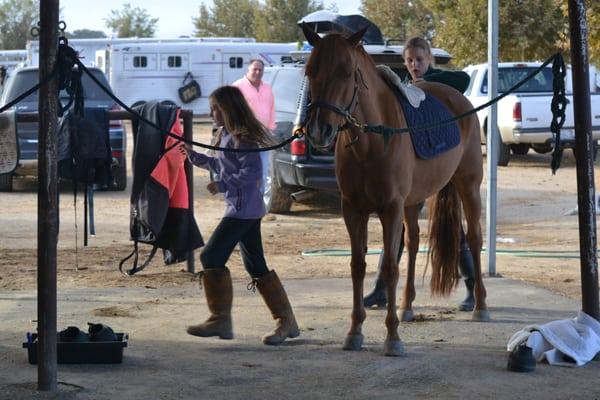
(179, 138)
(71, 82)
(29, 92)
(562, 254)
(384, 130)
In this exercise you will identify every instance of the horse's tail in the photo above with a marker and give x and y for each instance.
(444, 240)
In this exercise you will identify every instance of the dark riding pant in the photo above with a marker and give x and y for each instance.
(227, 234)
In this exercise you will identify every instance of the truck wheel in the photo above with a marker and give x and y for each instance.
(280, 199)
(6, 182)
(277, 196)
(520, 149)
(503, 153)
(120, 175)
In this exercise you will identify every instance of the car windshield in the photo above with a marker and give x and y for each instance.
(509, 77)
(25, 80)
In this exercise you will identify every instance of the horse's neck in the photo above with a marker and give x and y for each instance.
(378, 104)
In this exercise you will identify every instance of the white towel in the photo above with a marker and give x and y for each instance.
(567, 342)
(9, 156)
(413, 94)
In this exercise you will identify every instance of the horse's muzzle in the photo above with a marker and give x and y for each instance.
(322, 137)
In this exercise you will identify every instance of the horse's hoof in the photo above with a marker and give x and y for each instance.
(481, 315)
(393, 348)
(353, 342)
(406, 315)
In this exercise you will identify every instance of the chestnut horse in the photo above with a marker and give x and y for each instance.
(388, 179)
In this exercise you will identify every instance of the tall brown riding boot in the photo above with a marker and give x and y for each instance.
(219, 296)
(271, 290)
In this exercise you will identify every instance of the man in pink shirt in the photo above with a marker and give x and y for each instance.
(259, 96)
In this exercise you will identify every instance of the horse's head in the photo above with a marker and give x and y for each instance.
(335, 80)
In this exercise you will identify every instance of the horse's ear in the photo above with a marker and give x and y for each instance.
(356, 36)
(312, 37)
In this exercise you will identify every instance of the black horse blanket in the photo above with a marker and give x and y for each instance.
(160, 211)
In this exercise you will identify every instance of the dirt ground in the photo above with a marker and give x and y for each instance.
(532, 224)
(530, 218)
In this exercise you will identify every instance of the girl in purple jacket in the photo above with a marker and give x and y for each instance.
(239, 178)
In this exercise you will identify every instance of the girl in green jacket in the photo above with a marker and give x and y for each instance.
(418, 60)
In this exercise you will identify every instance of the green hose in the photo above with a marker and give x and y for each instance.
(511, 252)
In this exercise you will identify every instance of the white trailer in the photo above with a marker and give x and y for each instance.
(9, 59)
(155, 71)
(87, 48)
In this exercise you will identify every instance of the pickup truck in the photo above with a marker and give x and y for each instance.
(298, 170)
(24, 78)
(524, 116)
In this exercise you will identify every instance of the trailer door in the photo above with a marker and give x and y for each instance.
(234, 66)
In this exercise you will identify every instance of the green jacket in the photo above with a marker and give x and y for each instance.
(459, 80)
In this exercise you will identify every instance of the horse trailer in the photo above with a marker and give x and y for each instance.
(9, 59)
(87, 48)
(162, 71)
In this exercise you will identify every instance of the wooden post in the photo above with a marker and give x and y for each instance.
(188, 133)
(47, 199)
(584, 158)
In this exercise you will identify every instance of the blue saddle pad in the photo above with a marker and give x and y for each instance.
(428, 143)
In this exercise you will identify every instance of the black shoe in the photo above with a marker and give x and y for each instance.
(376, 297)
(72, 334)
(468, 303)
(101, 333)
(521, 360)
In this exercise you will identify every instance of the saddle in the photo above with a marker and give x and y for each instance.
(419, 109)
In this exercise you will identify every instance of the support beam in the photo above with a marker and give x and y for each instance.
(493, 137)
(584, 159)
(47, 199)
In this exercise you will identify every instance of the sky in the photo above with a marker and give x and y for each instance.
(174, 18)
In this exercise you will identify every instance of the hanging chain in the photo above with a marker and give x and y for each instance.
(558, 107)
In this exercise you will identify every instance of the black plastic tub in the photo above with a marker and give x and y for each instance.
(82, 352)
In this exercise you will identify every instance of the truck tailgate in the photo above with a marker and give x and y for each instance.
(536, 111)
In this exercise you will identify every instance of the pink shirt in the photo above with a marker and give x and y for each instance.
(261, 101)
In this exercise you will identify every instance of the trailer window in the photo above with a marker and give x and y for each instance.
(140, 61)
(236, 62)
(174, 61)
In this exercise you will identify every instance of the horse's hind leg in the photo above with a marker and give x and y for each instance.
(411, 224)
(356, 224)
(391, 220)
(472, 209)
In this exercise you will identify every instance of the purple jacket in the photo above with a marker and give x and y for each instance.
(239, 176)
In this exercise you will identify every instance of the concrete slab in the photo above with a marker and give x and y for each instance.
(447, 355)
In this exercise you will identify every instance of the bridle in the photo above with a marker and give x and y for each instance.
(347, 111)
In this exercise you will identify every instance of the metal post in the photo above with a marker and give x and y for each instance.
(492, 141)
(188, 133)
(47, 199)
(585, 161)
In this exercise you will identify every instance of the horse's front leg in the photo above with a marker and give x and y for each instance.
(411, 238)
(391, 220)
(356, 224)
